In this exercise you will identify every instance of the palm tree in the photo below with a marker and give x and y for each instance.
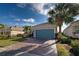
(63, 13)
(27, 29)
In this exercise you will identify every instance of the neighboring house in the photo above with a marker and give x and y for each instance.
(44, 31)
(16, 30)
(72, 30)
(11, 31)
(5, 31)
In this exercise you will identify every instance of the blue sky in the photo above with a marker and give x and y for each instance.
(24, 14)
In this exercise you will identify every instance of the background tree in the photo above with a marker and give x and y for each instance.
(27, 29)
(2, 26)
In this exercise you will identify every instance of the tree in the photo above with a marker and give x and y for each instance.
(63, 13)
(2, 26)
(27, 29)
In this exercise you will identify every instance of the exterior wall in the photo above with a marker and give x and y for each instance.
(34, 33)
(43, 26)
(14, 33)
(16, 30)
(71, 29)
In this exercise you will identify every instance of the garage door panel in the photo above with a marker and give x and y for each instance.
(45, 34)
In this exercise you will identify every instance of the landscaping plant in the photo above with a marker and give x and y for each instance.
(62, 51)
(66, 41)
(75, 47)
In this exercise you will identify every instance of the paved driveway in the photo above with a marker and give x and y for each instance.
(30, 47)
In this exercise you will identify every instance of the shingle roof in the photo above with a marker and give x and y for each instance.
(17, 28)
(42, 24)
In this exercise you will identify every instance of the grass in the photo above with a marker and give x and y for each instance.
(6, 42)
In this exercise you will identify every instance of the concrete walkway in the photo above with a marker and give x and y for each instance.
(30, 47)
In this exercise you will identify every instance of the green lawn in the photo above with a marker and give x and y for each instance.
(6, 42)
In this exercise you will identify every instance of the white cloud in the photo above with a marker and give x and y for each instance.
(30, 20)
(40, 8)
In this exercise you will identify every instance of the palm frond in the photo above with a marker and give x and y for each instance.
(65, 11)
(51, 20)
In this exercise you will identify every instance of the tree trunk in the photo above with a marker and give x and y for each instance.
(56, 29)
(60, 29)
(59, 34)
(56, 33)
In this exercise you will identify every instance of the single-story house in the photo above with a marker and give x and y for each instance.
(11, 31)
(44, 31)
(72, 30)
(15, 30)
(5, 31)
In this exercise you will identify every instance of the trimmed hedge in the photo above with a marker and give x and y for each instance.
(62, 51)
(19, 35)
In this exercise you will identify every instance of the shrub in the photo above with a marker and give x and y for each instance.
(62, 51)
(28, 35)
(75, 47)
(75, 43)
(19, 35)
(4, 37)
(66, 40)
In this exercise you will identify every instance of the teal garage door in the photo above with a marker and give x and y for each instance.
(45, 34)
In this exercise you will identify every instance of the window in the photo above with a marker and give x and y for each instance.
(76, 29)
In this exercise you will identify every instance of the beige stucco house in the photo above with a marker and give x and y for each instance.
(16, 30)
(44, 31)
(72, 30)
(11, 31)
